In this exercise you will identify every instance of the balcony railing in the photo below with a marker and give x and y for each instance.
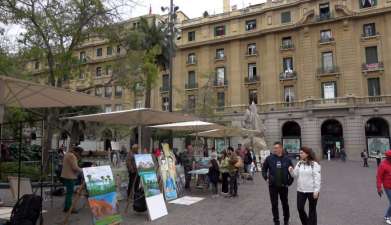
(164, 89)
(253, 79)
(191, 86)
(220, 83)
(368, 67)
(323, 17)
(191, 62)
(288, 75)
(326, 40)
(218, 58)
(313, 104)
(369, 35)
(328, 70)
(287, 46)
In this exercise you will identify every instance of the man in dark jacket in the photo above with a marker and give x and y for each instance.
(275, 172)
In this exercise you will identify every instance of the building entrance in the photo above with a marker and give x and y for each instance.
(332, 138)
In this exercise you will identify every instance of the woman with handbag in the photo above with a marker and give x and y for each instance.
(308, 173)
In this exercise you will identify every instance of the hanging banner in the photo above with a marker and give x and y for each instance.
(154, 199)
(168, 173)
(102, 198)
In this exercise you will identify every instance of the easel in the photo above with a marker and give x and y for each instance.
(76, 200)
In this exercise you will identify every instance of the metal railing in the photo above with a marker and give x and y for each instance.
(288, 75)
(326, 40)
(220, 83)
(369, 34)
(191, 62)
(327, 70)
(372, 66)
(287, 46)
(323, 17)
(252, 79)
(191, 85)
(165, 89)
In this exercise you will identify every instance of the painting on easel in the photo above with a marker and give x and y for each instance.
(102, 195)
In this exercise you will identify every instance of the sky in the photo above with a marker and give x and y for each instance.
(192, 8)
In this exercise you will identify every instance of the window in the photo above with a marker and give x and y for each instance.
(109, 50)
(325, 36)
(324, 11)
(109, 70)
(118, 107)
(289, 94)
(369, 30)
(367, 3)
(36, 65)
(99, 52)
(108, 91)
(286, 17)
(191, 36)
(166, 82)
(165, 103)
(118, 49)
(99, 91)
(220, 53)
(251, 25)
(371, 55)
(98, 72)
(220, 100)
(252, 97)
(329, 90)
(327, 61)
(191, 58)
(82, 57)
(139, 104)
(220, 30)
(373, 87)
(118, 91)
(191, 79)
(252, 49)
(220, 76)
(252, 71)
(191, 99)
(107, 108)
(287, 42)
(287, 64)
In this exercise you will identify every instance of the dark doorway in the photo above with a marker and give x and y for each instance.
(291, 137)
(377, 134)
(332, 138)
(107, 137)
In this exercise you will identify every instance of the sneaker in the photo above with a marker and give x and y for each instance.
(388, 221)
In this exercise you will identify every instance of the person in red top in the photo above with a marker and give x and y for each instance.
(384, 178)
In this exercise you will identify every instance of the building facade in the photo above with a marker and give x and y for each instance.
(319, 71)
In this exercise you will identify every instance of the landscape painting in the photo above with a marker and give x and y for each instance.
(144, 163)
(150, 183)
(99, 180)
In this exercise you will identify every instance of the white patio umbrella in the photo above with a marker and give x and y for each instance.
(136, 117)
(228, 132)
(196, 125)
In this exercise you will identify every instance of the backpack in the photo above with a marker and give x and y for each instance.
(27, 210)
(139, 203)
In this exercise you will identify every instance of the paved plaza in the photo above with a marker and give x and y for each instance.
(348, 197)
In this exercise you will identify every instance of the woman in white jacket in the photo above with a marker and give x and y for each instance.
(307, 172)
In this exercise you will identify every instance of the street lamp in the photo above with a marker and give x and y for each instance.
(171, 35)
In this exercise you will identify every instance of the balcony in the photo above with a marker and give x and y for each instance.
(191, 62)
(220, 58)
(220, 83)
(369, 35)
(164, 89)
(372, 67)
(324, 17)
(326, 40)
(251, 80)
(191, 85)
(288, 75)
(327, 71)
(253, 53)
(287, 46)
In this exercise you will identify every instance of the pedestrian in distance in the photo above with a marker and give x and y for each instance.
(307, 172)
(378, 158)
(214, 174)
(275, 171)
(224, 173)
(364, 156)
(384, 179)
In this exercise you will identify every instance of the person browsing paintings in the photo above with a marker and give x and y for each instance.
(132, 169)
(307, 171)
(188, 162)
(69, 174)
(275, 172)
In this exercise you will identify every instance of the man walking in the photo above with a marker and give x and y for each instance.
(364, 156)
(275, 171)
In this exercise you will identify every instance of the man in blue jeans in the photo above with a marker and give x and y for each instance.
(275, 172)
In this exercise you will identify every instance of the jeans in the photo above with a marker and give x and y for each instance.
(224, 183)
(311, 219)
(69, 186)
(283, 193)
(187, 179)
(388, 193)
(131, 186)
(365, 162)
(233, 184)
(214, 187)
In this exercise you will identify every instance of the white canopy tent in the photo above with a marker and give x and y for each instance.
(228, 132)
(196, 125)
(135, 117)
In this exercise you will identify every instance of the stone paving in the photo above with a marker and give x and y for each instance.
(348, 197)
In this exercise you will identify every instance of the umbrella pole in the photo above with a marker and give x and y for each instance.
(139, 138)
(19, 158)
